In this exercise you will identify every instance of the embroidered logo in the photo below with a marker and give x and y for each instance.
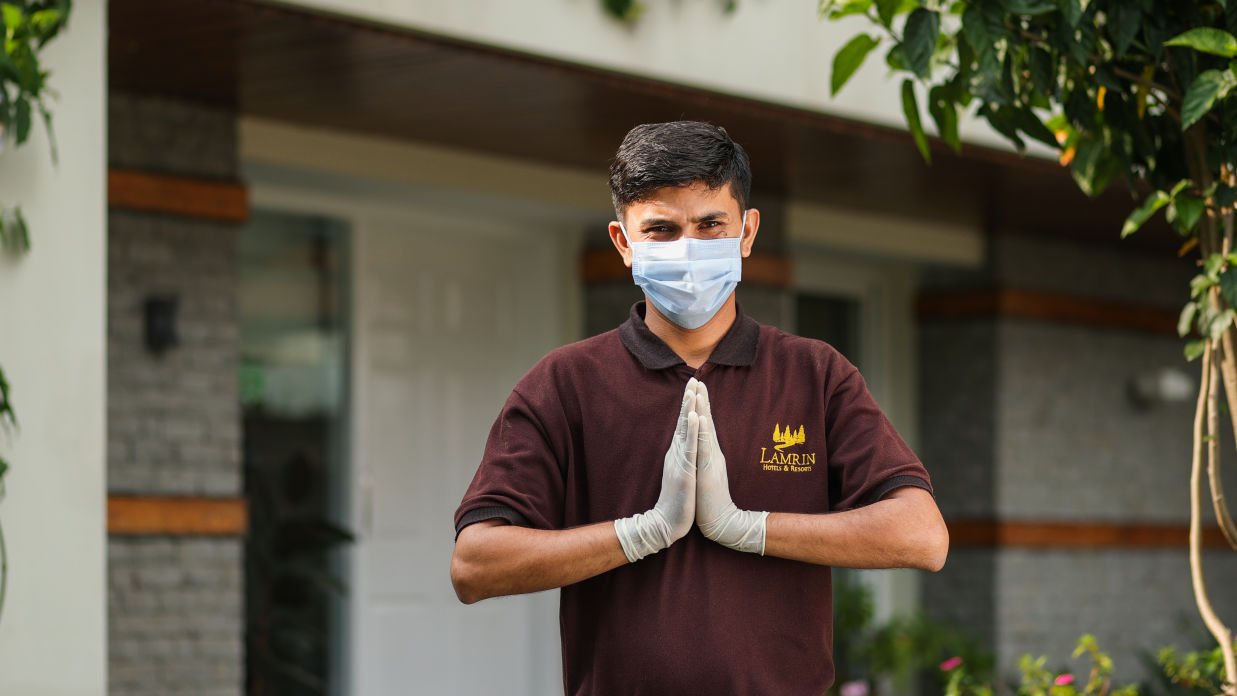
(788, 438)
(778, 460)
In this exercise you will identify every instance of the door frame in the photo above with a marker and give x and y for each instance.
(885, 294)
(364, 205)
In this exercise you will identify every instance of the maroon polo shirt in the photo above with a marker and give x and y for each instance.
(582, 439)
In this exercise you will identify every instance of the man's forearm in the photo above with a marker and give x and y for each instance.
(902, 530)
(493, 558)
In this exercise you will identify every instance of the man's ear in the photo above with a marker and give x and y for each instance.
(749, 231)
(620, 242)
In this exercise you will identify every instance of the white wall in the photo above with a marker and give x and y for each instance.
(52, 304)
(772, 50)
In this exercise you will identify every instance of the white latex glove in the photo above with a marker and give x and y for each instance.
(716, 514)
(672, 515)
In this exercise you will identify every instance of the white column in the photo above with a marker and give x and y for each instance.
(53, 630)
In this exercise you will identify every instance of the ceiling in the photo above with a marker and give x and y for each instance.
(341, 73)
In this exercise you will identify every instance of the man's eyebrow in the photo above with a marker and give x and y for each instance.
(654, 222)
(711, 216)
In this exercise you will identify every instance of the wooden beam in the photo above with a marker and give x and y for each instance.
(175, 516)
(204, 199)
(1044, 306)
(606, 266)
(1075, 535)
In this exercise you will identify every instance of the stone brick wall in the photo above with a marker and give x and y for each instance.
(1134, 602)
(1031, 420)
(175, 604)
(174, 626)
(173, 419)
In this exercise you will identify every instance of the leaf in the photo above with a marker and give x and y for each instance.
(1219, 324)
(1029, 123)
(23, 232)
(1200, 284)
(1225, 195)
(851, 8)
(51, 135)
(623, 10)
(11, 15)
(1206, 88)
(1208, 40)
(1195, 348)
(1043, 79)
(910, 108)
(885, 11)
(1228, 286)
(1186, 321)
(984, 27)
(1186, 210)
(1212, 265)
(1002, 120)
(848, 60)
(945, 114)
(1142, 213)
(1123, 21)
(919, 40)
(21, 125)
(1094, 167)
(1071, 10)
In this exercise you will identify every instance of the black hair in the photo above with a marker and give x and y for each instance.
(678, 153)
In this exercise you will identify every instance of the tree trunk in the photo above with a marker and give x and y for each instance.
(1205, 418)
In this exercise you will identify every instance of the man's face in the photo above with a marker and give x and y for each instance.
(685, 211)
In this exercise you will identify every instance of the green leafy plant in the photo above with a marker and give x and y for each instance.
(629, 11)
(1141, 90)
(867, 655)
(1038, 680)
(26, 26)
(1197, 673)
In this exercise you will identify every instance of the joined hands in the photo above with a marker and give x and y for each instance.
(693, 488)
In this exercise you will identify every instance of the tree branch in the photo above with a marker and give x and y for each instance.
(1138, 80)
(1204, 429)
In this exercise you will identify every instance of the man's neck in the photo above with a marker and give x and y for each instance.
(693, 345)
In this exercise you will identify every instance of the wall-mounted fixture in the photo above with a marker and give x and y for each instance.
(1166, 385)
(161, 323)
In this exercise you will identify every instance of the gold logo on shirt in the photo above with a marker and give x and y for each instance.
(787, 438)
(781, 461)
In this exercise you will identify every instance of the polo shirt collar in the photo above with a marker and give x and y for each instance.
(737, 348)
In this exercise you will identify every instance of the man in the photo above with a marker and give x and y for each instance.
(691, 527)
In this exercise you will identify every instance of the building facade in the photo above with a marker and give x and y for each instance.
(365, 221)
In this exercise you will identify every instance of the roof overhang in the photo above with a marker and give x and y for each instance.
(341, 73)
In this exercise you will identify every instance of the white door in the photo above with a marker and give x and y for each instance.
(448, 316)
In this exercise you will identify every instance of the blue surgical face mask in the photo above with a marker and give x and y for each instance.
(689, 279)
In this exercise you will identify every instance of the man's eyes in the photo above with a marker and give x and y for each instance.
(712, 226)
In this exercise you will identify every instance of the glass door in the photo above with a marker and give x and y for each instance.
(293, 387)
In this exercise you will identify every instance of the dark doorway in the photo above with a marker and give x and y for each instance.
(294, 403)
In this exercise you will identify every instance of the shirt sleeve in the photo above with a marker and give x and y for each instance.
(520, 478)
(867, 457)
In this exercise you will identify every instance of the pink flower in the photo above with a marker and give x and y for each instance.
(1064, 680)
(854, 688)
(951, 663)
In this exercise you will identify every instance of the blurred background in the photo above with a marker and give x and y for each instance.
(294, 255)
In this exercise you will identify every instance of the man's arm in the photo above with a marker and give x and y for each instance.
(493, 558)
(902, 530)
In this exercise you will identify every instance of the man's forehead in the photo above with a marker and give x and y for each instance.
(692, 200)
